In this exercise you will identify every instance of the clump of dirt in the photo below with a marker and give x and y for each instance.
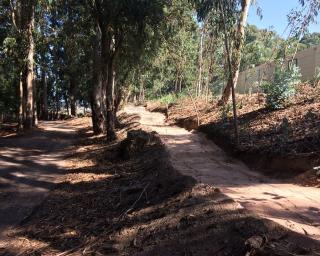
(137, 141)
(110, 205)
(285, 142)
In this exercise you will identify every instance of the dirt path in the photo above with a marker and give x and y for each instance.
(30, 165)
(296, 207)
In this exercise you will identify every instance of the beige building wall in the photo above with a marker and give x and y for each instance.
(308, 60)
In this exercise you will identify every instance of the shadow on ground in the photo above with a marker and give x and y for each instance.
(108, 205)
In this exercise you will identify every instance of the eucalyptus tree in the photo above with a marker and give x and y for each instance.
(22, 22)
(9, 57)
(300, 19)
(234, 14)
(260, 46)
(117, 21)
(174, 66)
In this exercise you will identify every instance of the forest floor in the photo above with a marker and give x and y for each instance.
(128, 199)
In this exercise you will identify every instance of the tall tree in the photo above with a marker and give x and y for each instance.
(238, 43)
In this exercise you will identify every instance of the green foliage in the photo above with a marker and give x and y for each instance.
(280, 91)
(261, 45)
(168, 99)
(174, 63)
(226, 111)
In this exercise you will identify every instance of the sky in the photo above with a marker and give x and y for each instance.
(275, 15)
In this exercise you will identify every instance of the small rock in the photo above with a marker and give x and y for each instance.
(217, 190)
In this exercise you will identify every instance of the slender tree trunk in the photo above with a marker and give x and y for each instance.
(111, 135)
(209, 77)
(98, 120)
(108, 79)
(28, 123)
(67, 104)
(230, 68)
(117, 103)
(72, 95)
(35, 104)
(199, 86)
(20, 114)
(176, 83)
(44, 96)
(236, 53)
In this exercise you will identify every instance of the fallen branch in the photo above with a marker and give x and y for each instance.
(135, 202)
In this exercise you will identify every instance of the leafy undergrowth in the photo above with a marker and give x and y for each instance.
(110, 204)
(282, 143)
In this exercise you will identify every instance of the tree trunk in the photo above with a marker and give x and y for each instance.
(199, 86)
(111, 135)
(28, 123)
(210, 76)
(72, 95)
(35, 105)
(108, 79)
(67, 105)
(44, 105)
(236, 53)
(117, 103)
(180, 84)
(20, 114)
(98, 120)
(230, 69)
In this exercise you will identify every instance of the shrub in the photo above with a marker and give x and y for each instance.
(280, 91)
(168, 99)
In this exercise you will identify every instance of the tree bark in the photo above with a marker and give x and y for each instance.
(28, 123)
(230, 68)
(199, 86)
(236, 53)
(44, 106)
(111, 135)
(35, 104)
(20, 114)
(108, 79)
(98, 120)
(72, 95)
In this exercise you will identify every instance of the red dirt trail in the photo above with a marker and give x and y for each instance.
(293, 206)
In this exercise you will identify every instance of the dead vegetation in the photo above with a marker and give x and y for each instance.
(136, 204)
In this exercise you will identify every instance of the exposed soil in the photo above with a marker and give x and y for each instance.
(113, 203)
(283, 143)
(31, 164)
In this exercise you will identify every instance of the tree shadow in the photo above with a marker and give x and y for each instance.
(31, 164)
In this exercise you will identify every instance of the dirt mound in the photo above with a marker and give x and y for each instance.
(137, 141)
